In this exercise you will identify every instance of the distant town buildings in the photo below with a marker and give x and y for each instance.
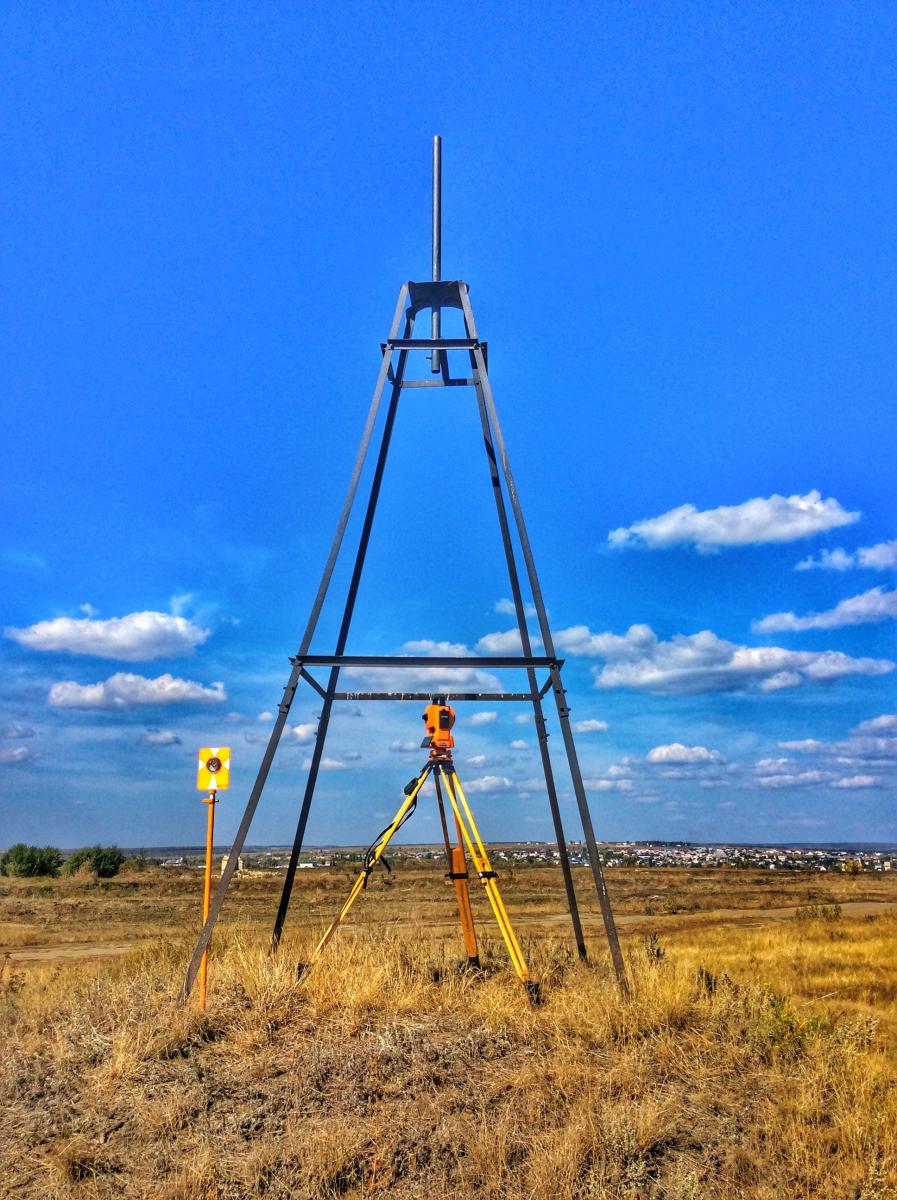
(848, 859)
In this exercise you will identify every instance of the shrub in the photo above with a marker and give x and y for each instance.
(30, 860)
(818, 912)
(104, 860)
(137, 862)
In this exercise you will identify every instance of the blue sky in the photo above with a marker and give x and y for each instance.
(678, 226)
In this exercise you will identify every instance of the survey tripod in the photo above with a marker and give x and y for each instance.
(395, 380)
(442, 769)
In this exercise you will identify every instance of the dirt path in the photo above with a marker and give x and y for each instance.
(70, 951)
(635, 922)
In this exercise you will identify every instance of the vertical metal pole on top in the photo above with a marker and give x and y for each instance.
(436, 355)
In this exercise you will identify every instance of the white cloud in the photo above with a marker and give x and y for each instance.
(608, 785)
(483, 718)
(803, 746)
(675, 752)
(437, 649)
(589, 726)
(16, 731)
(887, 722)
(506, 642)
(519, 744)
(129, 691)
(138, 637)
(857, 781)
(265, 716)
(880, 557)
(874, 605)
(523, 719)
(159, 737)
(871, 742)
(399, 746)
(489, 783)
(327, 764)
(507, 609)
(755, 522)
(703, 662)
(89, 610)
(476, 760)
(432, 679)
(301, 734)
(794, 780)
(773, 766)
(12, 755)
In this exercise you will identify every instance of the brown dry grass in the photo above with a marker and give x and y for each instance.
(750, 1062)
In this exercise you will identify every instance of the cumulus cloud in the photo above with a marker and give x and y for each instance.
(483, 718)
(880, 557)
(866, 609)
(159, 737)
(490, 783)
(11, 756)
(753, 523)
(265, 716)
(608, 785)
(886, 723)
(589, 726)
(675, 752)
(327, 764)
(507, 609)
(302, 733)
(794, 779)
(400, 746)
(504, 642)
(16, 731)
(432, 679)
(872, 742)
(519, 744)
(138, 637)
(703, 662)
(857, 781)
(803, 746)
(124, 690)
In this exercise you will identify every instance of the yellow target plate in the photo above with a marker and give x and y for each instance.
(213, 774)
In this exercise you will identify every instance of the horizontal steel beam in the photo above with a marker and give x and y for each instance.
(419, 383)
(433, 343)
(490, 696)
(416, 662)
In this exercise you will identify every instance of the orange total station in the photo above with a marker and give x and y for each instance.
(439, 718)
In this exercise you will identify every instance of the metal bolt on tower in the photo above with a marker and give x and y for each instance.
(414, 299)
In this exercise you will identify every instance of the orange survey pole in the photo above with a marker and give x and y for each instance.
(210, 800)
(212, 776)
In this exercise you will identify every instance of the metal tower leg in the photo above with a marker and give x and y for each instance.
(482, 379)
(324, 721)
(293, 681)
(538, 714)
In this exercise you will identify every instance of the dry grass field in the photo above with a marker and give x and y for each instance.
(757, 1056)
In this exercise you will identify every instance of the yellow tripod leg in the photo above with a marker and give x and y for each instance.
(374, 857)
(483, 868)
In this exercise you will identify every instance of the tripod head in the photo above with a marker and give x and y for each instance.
(438, 717)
